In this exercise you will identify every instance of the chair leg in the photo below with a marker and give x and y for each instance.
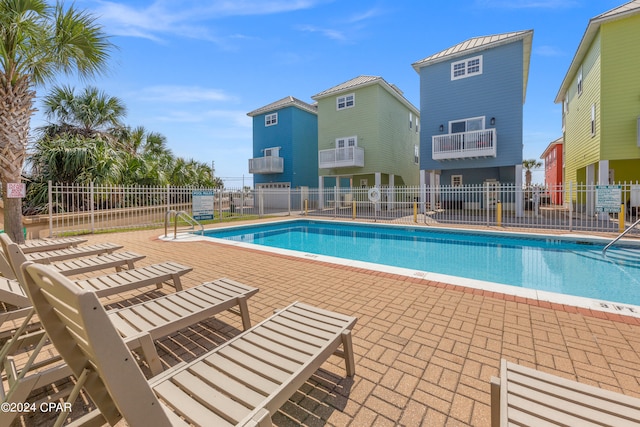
(244, 312)
(347, 346)
(495, 402)
(176, 282)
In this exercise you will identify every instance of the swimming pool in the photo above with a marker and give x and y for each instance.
(555, 264)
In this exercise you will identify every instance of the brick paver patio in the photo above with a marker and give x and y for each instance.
(425, 351)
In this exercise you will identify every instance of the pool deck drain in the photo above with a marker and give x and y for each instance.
(425, 350)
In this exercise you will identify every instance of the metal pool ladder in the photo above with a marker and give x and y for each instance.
(620, 236)
(187, 218)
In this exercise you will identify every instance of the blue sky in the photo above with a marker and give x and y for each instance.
(192, 69)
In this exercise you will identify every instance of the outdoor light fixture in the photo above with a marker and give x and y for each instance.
(441, 128)
(492, 121)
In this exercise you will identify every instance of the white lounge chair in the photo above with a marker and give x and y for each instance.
(84, 265)
(47, 257)
(138, 325)
(39, 245)
(242, 382)
(527, 397)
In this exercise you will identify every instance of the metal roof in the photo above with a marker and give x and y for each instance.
(288, 101)
(620, 12)
(362, 81)
(472, 45)
(478, 44)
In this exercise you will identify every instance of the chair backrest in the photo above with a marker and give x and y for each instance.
(5, 269)
(14, 257)
(78, 326)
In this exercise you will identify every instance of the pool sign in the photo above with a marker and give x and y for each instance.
(202, 201)
(608, 198)
(16, 190)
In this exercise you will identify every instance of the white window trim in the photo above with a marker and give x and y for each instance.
(455, 178)
(466, 73)
(483, 118)
(273, 152)
(344, 100)
(271, 119)
(346, 141)
(593, 120)
(416, 154)
(580, 82)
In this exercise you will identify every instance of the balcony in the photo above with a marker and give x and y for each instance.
(464, 145)
(267, 164)
(341, 158)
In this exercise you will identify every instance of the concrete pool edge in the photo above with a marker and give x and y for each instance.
(541, 298)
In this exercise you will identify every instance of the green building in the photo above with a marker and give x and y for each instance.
(368, 135)
(600, 98)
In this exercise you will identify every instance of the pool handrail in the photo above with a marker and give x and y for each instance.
(188, 219)
(619, 236)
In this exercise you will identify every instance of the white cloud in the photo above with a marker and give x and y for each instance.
(182, 94)
(355, 23)
(548, 51)
(186, 17)
(330, 33)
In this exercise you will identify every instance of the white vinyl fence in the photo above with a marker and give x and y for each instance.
(574, 207)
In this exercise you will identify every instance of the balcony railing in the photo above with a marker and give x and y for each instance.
(267, 164)
(464, 145)
(341, 158)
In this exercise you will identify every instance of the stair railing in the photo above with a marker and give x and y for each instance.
(619, 236)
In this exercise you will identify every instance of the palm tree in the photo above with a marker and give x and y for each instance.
(91, 113)
(528, 166)
(37, 42)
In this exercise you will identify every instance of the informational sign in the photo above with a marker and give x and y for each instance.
(608, 198)
(202, 204)
(16, 190)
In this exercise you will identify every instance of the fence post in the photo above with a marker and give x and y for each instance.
(571, 206)
(50, 196)
(91, 200)
(168, 200)
(289, 200)
(335, 201)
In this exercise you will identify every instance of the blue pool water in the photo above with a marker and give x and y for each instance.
(549, 264)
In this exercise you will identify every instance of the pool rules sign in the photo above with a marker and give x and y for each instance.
(608, 198)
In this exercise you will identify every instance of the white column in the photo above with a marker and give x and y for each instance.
(391, 197)
(378, 184)
(321, 192)
(423, 191)
(590, 190)
(433, 184)
(519, 193)
(603, 179)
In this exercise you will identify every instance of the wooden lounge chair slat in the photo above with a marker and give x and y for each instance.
(526, 397)
(293, 339)
(73, 252)
(571, 401)
(271, 357)
(133, 318)
(239, 391)
(327, 316)
(12, 293)
(155, 313)
(189, 408)
(314, 322)
(245, 376)
(124, 327)
(86, 265)
(291, 353)
(251, 362)
(305, 328)
(37, 245)
(211, 397)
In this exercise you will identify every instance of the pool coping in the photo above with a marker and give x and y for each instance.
(531, 296)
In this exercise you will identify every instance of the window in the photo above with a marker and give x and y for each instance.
(364, 182)
(271, 119)
(456, 180)
(350, 141)
(417, 124)
(272, 152)
(346, 101)
(593, 119)
(580, 82)
(466, 68)
(410, 120)
(416, 154)
(466, 125)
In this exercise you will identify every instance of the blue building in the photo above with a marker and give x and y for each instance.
(285, 145)
(471, 105)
